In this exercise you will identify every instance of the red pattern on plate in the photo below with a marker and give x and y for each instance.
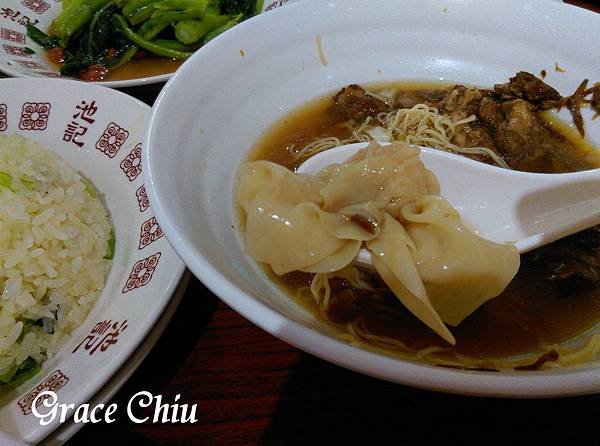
(142, 198)
(2, 117)
(149, 232)
(52, 383)
(30, 64)
(34, 116)
(112, 139)
(17, 17)
(141, 273)
(49, 74)
(12, 36)
(132, 164)
(16, 51)
(104, 334)
(37, 6)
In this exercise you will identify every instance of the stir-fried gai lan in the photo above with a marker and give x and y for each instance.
(508, 123)
(91, 37)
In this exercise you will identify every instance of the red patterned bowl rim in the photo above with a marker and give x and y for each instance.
(99, 131)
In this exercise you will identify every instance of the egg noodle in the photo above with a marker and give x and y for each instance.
(321, 291)
(572, 356)
(420, 125)
(356, 334)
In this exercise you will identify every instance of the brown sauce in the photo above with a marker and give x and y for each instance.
(528, 313)
(147, 67)
(138, 68)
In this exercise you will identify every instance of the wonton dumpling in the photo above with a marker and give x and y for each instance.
(394, 255)
(392, 175)
(460, 270)
(285, 226)
(386, 198)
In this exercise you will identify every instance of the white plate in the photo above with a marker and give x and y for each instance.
(248, 79)
(145, 269)
(14, 17)
(70, 428)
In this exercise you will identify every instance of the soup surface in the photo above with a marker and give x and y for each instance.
(542, 307)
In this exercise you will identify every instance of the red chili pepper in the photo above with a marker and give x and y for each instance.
(57, 55)
(94, 73)
(112, 53)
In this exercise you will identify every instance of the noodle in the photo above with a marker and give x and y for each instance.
(320, 51)
(356, 334)
(447, 357)
(572, 356)
(321, 290)
(420, 125)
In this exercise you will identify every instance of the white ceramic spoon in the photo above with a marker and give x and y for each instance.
(502, 205)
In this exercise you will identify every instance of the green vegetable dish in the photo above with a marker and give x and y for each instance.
(92, 38)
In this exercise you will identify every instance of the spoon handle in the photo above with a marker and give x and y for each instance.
(564, 205)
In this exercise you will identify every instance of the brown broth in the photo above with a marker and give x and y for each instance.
(138, 68)
(528, 313)
(147, 67)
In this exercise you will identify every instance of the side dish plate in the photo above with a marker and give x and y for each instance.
(99, 132)
(17, 60)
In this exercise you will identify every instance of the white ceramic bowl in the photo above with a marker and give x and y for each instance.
(145, 270)
(221, 100)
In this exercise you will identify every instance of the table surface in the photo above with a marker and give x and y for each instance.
(251, 388)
